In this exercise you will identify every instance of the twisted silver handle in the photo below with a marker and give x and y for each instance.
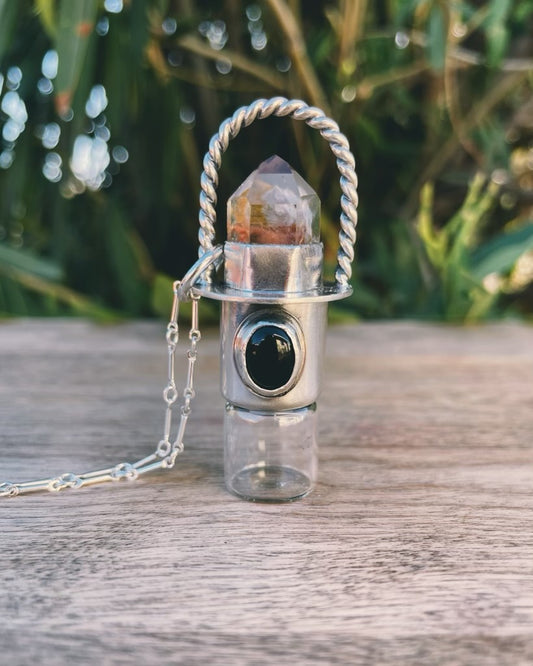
(315, 118)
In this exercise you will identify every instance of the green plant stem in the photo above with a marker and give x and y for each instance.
(73, 299)
(451, 93)
(367, 86)
(196, 78)
(209, 102)
(298, 53)
(350, 30)
(477, 114)
(238, 61)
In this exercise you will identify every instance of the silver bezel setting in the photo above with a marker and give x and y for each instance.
(269, 274)
(248, 327)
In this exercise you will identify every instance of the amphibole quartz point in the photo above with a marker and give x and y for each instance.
(274, 205)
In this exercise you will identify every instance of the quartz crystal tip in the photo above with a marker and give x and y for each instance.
(274, 206)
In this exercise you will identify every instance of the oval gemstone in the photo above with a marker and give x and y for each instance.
(270, 357)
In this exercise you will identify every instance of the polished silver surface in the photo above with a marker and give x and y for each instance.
(283, 268)
(311, 319)
(315, 118)
(210, 259)
(280, 319)
(323, 294)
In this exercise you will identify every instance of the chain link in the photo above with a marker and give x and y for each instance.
(167, 449)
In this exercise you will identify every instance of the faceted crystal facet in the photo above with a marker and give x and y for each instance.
(274, 206)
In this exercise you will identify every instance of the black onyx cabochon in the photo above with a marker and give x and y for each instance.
(270, 357)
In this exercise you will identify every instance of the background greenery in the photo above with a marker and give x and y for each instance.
(100, 162)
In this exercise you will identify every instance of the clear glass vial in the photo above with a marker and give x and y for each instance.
(270, 456)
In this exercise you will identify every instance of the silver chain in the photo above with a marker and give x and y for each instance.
(166, 451)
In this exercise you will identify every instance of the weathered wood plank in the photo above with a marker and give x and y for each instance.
(415, 548)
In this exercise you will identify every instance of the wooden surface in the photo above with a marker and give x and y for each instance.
(415, 548)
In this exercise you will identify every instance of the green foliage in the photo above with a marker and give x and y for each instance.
(100, 164)
(497, 31)
(469, 275)
(75, 24)
(499, 255)
(436, 41)
(461, 296)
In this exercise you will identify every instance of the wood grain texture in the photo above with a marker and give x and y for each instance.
(415, 548)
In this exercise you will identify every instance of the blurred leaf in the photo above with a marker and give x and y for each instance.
(8, 15)
(162, 294)
(404, 10)
(522, 11)
(75, 26)
(435, 242)
(436, 46)
(497, 30)
(127, 262)
(498, 38)
(462, 296)
(479, 302)
(362, 299)
(16, 282)
(340, 315)
(500, 254)
(47, 14)
(29, 263)
(12, 297)
(466, 223)
(139, 29)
